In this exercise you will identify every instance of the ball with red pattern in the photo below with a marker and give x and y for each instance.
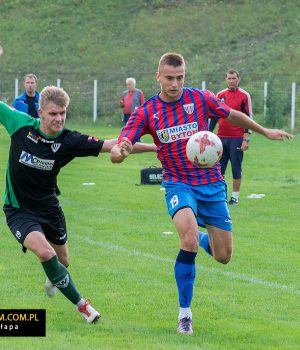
(204, 149)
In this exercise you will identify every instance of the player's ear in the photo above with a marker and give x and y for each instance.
(157, 76)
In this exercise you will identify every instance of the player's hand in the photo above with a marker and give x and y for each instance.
(274, 134)
(244, 146)
(125, 147)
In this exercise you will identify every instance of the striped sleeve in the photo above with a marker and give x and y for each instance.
(135, 127)
(216, 107)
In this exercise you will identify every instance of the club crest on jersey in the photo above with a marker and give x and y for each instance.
(55, 147)
(178, 132)
(163, 136)
(189, 108)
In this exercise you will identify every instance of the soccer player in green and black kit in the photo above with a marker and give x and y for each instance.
(39, 149)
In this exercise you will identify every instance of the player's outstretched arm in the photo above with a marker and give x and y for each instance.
(122, 150)
(140, 147)
(108, 145)
(241, 119)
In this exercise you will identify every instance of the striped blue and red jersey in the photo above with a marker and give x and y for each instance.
(171, 124)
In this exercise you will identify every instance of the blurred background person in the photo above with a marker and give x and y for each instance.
(130, 99)
(235, 139)
(28, 101)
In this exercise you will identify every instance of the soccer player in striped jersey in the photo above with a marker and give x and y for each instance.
(194, 196)
(235, 139)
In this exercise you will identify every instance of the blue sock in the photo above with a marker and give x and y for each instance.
(204, 242)
(185, 271)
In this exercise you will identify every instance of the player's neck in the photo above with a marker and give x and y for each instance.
(169, 99)
(48, 132)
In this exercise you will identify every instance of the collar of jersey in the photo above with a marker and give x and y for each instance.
(50, 137)
(182, 92)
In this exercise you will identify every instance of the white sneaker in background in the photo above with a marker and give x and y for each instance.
(50, 288)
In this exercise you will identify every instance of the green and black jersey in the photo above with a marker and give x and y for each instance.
(35, 160)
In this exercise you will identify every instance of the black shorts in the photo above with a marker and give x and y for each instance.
(232, 152)
(23, 221)
(126, 117)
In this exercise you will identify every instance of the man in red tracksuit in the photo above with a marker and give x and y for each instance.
(235, 139)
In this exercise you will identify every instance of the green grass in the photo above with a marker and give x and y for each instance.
(79, 41)
(117, 37)
(122, 261)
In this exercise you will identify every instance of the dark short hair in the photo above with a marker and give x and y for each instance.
(171, 59)
(233, 71)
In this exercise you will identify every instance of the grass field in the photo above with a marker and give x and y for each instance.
(123, 262)
(119, 38)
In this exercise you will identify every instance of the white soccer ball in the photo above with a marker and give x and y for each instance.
(204, 149)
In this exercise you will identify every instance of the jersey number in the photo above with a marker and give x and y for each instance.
(174, 201)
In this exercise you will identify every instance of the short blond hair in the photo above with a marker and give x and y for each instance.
(171, 59)
(30, 75)
(53, 94)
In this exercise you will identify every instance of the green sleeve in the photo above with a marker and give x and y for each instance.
(13, 120)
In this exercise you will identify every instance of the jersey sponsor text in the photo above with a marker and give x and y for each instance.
(177, 132)
(35, 162)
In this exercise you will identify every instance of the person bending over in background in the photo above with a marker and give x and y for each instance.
(194, 196)
(39, 149)
(235, 139)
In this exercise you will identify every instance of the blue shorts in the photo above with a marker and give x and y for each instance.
(208, 202)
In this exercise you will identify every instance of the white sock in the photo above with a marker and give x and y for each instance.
(81, 302)
(185, 312)
(235, 195)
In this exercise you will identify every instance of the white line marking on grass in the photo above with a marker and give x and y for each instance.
(232, 275)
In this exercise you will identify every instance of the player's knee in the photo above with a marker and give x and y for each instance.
(223, 257)
(45, 254)
(189, 243)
